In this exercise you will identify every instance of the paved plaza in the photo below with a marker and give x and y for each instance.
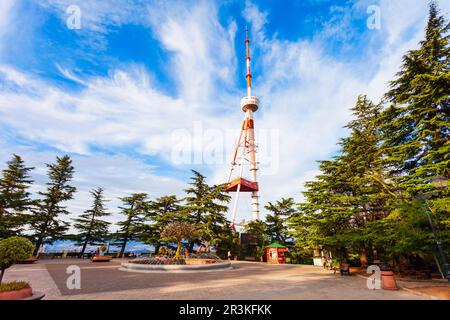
(246, 280)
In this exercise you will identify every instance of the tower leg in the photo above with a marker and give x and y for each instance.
(233, 216)
(255, 205)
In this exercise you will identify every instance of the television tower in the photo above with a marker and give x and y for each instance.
(245, 152)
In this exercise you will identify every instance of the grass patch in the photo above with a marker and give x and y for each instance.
(14, 286)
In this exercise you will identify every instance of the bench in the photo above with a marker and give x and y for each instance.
(345, 268)
(101, 259)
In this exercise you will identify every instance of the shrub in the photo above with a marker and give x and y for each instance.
(14, 286)
(12, 250)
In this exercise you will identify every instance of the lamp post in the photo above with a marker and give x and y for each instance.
(441, 183)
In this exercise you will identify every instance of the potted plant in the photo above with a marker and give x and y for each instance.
(101, 257)
(103, 250)
(12, 250)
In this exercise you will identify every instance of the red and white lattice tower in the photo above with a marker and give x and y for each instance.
(245, 151)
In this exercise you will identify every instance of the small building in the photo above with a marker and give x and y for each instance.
(275, 253)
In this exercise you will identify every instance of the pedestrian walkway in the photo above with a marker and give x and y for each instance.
(246, 280)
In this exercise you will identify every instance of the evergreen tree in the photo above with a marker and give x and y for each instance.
(350, 192)
(416, 141)
(258, 228)
(206, 206)
(415, 127)
(135, 208)
(14, 197)
(46, 221)
(93, 230)
(363, 174)
(162, 211)
(276, 221)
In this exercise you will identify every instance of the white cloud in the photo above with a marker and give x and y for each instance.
(305, 94)
(7, 15)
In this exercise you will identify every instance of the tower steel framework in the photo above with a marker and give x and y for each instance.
(245, 150)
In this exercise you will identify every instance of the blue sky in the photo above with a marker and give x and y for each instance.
(142, 80)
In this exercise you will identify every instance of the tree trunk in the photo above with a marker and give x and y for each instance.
(38, 245)
(158, 245)
(84, 248)
(122, 251)
(363, 257)
(177, 254)
(2, 272)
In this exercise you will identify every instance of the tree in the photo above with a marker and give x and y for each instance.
(206, 206)
(349, 193)
(14, 197)
(92, 229)
(135, 208)
(13, 249)
(179, 231)
(416, 134)
(276, 221)
(256, 228)
(259, 229)
(162, 211)
(45, 220)
(416, 138)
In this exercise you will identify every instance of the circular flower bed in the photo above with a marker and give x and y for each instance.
(159, 260)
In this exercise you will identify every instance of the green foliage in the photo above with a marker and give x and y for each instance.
(14, 286)
(135, 208)
(206, 208)
(415, 126)
(162, 211)
(45, 221)
(14, 197)
(276, 221)
(93, 230)
(365, 200)
(259, 229)
(13, 249)
(179, 231)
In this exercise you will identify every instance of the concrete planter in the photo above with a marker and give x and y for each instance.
(148, 268)
(200, 261)
(17, 294)
(388, 281)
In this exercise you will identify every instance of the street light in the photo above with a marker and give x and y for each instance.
(440, 183)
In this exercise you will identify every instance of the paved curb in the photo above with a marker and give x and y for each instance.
(417, 293)
(421, 294)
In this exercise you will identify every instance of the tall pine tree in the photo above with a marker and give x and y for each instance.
(276, 221)
(15, 199)
(206, 206)
(350, 192)
(162, 211)
(135, 208)
(46, 222)
(93, 230)
(415, 127)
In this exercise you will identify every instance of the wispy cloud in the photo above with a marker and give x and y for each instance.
(306, 92)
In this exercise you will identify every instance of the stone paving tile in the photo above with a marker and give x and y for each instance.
(37, 276)
(251, 281)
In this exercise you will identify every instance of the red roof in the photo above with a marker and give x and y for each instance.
(246, 185)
